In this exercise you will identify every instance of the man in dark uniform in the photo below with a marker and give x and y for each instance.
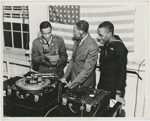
(85, 53)
(113, 60)
(49, 52)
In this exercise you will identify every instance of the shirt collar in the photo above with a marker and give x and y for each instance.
(84, 38)
(46, 41)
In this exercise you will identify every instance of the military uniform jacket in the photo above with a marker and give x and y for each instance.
(41, 64)
(82, 65)
(113, 60)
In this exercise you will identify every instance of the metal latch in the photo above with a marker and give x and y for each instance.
(88, 107)
(64, 101)
(36, 98)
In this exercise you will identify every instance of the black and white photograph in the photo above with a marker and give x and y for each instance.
(68, 60)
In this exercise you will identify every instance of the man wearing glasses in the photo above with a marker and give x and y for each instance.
(49, 52)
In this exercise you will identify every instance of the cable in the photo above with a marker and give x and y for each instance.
(82, 108)
(98, 106)
(71, 108)
(143, 108)
(137, 88)
(50, 110)
(97, 109)
(135, 70)
(59, 90)
(82, 113)
(60, 110)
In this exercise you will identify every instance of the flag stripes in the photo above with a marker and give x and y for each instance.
(121, 16)
(120, 13)
(114, 22)
(99, 9)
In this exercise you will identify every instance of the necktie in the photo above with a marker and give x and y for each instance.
(47, 43)
(78, 43)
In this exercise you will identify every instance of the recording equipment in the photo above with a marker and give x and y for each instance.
(85, 102)
(45, 49)
(30, 95)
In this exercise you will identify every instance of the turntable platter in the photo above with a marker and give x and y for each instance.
(24, 85)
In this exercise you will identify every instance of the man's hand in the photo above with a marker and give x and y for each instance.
(54, 63)
(63, 80)
(121, 100)
(53, 59)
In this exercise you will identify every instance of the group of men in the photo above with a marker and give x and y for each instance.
(49, 55)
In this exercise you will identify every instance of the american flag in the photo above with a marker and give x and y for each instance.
(63, 17)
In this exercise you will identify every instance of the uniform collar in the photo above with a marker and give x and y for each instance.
(46, 41)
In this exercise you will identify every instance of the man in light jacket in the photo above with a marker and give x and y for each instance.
(81, 68)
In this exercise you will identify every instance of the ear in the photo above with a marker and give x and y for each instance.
(110, 34)
(81, 32)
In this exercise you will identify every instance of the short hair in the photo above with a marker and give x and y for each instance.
(45, 24)
(108, 25)
(83, 25)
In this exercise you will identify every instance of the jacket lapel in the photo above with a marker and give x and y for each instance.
(83, 46)
(53, 43)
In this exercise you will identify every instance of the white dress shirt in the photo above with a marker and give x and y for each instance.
(82, 40)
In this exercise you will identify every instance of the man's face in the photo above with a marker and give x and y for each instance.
(76, 32)
(46, 33)
(104, 35)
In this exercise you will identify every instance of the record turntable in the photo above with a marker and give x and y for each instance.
(35, 82)
(34, 94)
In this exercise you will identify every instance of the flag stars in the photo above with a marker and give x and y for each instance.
(64, 14)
